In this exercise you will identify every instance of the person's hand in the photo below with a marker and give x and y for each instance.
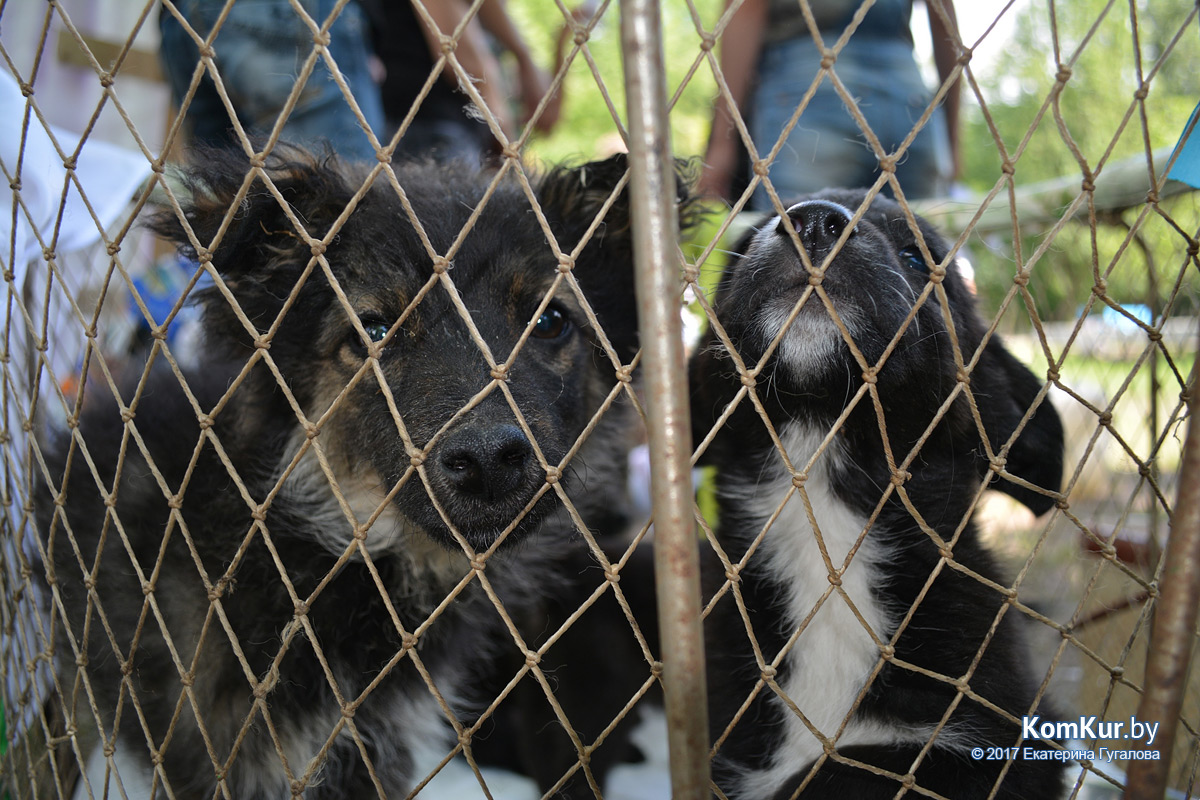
(535, 83)
(717, 175)
(493, 94)
(720, 157)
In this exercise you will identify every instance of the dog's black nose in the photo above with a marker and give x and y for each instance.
(819, 223)
(488, 463)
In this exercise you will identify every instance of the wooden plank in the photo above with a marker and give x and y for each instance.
(1120, 185)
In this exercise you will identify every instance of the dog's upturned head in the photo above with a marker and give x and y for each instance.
(449, 363)
(871, 312)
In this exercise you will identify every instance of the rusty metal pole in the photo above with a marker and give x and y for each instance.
(1173, 634)
(659, 288)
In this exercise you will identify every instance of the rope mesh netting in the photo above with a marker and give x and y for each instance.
(167, 633)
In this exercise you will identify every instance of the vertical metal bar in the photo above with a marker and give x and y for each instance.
(659, 288)
(1173, 634)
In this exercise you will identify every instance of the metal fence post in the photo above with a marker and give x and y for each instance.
(660, 286)
(1173, 634)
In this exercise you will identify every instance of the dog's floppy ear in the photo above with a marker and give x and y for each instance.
(572, 198)
(262, 252)
(1004, 391)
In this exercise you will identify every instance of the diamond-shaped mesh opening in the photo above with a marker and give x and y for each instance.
(270, 561)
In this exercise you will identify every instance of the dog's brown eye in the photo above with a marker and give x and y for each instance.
(552, 324)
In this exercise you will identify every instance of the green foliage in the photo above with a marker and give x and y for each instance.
(587, 128)
(1095, 120)
(1097, 106)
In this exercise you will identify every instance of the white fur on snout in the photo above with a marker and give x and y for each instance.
(810, 343)
(832, 659)
(870, 298)
(812, 340)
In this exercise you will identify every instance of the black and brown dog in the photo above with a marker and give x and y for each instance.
(281, 575)
(885, 647)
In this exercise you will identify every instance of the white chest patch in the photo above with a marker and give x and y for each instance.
(834, 655)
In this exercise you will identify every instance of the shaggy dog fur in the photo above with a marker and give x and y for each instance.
(878, 612)
(260, 573)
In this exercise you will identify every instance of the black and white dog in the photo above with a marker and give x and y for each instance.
(889, 647)
(278, 577)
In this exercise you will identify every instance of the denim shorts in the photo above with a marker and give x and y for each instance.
(260, 52)
(827, 148)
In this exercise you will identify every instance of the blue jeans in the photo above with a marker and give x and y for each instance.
(827, 148)
(259, 53)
